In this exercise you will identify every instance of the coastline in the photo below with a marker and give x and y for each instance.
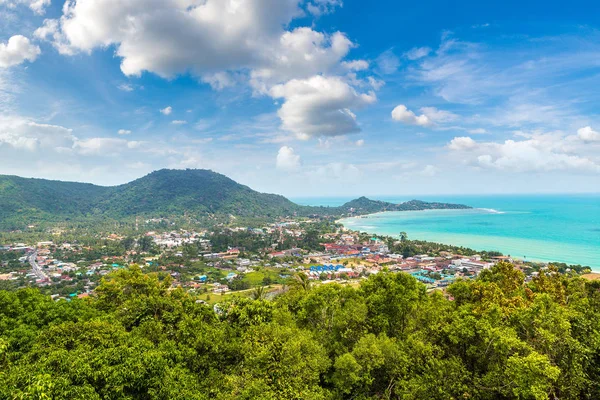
(502, 244)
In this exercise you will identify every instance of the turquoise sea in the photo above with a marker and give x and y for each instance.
(564, 228)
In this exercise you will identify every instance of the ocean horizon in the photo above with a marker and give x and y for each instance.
(549, 227)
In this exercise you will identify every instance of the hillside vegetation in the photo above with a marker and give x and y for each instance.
(160, 194)
(495, 337)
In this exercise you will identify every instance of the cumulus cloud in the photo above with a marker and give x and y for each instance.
(439, 116)
(168, 37)
(226, 42)
(37, 6)
(287, 159)
(166, 111)
(24, 134)
(320, 106)
(404, 115)
(17, 50)
(587, 134)
(537, 152)
(300, 54)
(462, 143)
(124, 132)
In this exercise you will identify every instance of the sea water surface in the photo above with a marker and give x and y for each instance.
(563, 228)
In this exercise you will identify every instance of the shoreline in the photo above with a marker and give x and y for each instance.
(595, 269)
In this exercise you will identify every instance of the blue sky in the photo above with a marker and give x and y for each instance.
(305, 98)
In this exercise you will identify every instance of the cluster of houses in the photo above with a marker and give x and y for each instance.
(344, 255)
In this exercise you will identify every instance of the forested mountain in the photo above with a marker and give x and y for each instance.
(162, 193)
(364, 205)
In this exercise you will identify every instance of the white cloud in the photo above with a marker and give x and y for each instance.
(477, 131)
(166, 111)
(587, 134)
(37, 6)
(360, 142)
(300, 54)
(404, 115)
(417, 53)
(103, 146)
(287, 159)
(462, 143)
(356, 65)
(320, 7)
(22, 133)
(17, 50)
(376, 84)
(223, 43)
(439, 116)
(320, 106)
(209, 37)
(220, 80)
(126, 87)
(388, 62)
(124, 132)
(178, 122)
(538, 152)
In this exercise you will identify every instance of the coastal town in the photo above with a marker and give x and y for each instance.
(213, 263)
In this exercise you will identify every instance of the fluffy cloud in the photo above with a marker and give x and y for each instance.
(587, 134)
(320, 106)
(17, 50)
(37, 6)
(356, 65)
(225, 42)
(404, 115)
(300, 53)
(124, 132)
(168, 37)
(538, 152)
(287, 159)
(462, 143)
(166, 111)
(24, 134)
(439, 116)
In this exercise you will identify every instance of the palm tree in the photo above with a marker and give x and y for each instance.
(403, 236)
(259, 293)
(301, 282)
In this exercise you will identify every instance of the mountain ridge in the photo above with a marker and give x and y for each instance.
(163, 193)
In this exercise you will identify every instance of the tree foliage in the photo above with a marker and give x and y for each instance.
(495, 337)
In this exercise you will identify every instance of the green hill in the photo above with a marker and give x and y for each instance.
(160, 194)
